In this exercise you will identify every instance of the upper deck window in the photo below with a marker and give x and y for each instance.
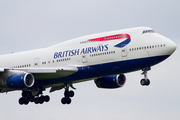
(148, 31)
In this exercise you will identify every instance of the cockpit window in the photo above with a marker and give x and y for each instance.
(148, 31)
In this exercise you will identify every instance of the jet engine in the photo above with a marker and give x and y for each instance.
(114, 81)
(23, 80)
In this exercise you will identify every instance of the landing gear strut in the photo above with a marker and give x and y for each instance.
(67, 94)
(145, 80)
(33, 96)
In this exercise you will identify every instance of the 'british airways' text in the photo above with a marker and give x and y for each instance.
(75, 52)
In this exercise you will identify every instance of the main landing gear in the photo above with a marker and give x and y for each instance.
(67, 94)
(145, 81)
(34, 95)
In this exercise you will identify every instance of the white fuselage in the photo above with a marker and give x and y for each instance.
(97, 50)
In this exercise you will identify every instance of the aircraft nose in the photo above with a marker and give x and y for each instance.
(171, 47)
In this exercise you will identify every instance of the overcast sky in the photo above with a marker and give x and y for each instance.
(26, 25)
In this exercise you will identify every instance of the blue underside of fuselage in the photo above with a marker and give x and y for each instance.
(105, 69)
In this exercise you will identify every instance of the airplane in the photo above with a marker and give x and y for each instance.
(102, 57)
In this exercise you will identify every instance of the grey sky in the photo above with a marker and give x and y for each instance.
(26, 25)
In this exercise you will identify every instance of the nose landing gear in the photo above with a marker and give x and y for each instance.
(145, 81)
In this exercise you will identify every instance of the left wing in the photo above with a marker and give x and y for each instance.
(24, 78)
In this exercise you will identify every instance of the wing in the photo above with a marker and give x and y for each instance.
(40, 74)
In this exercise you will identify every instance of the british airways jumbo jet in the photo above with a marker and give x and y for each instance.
(103, 57)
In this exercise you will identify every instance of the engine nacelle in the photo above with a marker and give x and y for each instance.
(23, 80)
(114, 81)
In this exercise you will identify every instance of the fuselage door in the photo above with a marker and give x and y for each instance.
(36, 62)
(124, 51)
(84, 58)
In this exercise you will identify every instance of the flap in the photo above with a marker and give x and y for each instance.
(1, 69)
(48, 70)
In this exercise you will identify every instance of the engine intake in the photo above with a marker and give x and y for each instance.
(24, 80)
(114, 81)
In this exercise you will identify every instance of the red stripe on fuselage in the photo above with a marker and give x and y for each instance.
(111, 37)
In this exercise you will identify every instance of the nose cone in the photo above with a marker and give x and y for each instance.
(171, 47)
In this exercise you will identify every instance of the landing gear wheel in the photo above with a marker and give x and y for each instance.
(46, 98)
(71, 93)
(68, 100)
(145, 82)
(21, 101)
(41, 99)
(31, 98)
(63, 100)
(36, 100)
(148, 82)
(68, 93)
(26, 102)
(26, 94)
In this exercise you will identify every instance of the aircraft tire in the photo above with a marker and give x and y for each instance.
(68, 100)
(21, 101)
(147, 82)
(71, 93)
(143, 82)
(24, 94)
(31, 98)
(26, 102)
(41, 99)
(36, 100)
(63, 100)
(46, 98)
